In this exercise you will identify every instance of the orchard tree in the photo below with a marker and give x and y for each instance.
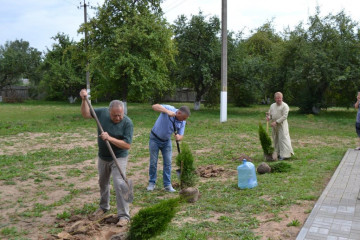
(325, 63)
(199, 58)
(18, 60)
(63, 69)
(130, 50)
(253, 73)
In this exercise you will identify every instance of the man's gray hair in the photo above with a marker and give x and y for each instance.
(116, 103)
(278, 94)
(185, 110)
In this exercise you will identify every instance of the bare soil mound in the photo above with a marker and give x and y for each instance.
(210, 171)
(83, 228)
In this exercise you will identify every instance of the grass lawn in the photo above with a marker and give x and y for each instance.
(48, 171)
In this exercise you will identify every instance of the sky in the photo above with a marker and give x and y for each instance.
(38, 21)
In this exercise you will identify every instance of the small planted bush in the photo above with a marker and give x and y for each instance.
(152, 221)
(265, 141)
(185, 161)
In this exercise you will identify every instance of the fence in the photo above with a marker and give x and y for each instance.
(181, 95)
(15, 93)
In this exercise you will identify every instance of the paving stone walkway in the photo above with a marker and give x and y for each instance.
(336, 214)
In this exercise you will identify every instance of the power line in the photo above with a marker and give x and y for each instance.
(175, 5)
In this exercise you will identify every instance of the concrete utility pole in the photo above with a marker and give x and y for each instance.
(87, 63)
(223, 96)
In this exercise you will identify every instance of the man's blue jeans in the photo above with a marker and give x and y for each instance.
(166, 149)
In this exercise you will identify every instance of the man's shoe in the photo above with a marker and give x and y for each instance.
(281, 158)
(151, 187)
(169, 189)
(123, 222)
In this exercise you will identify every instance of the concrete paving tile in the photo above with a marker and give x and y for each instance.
(336, 214)
(328, 209)
(348, 217)
(355, 226)
(332, 238)
(354, 236)
(342, 222)
(322, 225)
(326, 220)
(339, 234)
(346, 209)
(316, 236)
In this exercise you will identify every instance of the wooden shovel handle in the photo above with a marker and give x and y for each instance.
(106, 141)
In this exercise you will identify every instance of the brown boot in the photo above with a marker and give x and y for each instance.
(123, 222)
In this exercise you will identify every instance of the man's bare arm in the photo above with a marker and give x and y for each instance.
(85, 110)
(159, 108)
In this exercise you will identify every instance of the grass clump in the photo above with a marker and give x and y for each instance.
(294, 223)
(152, 221)
(185, 160)
(64, 215)
(265, 141)
(280, 167)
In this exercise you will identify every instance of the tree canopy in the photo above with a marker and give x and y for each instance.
(135, 55)
(199, 58)
(130, 50)
(63, 69)
(18, 60)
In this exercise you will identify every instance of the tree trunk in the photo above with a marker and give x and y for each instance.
(190, 194)
(125, 107)
(197, 105)
(124, 97)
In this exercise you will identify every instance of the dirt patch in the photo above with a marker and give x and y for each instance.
(279, 226)
(46, 198)
(82, 228)
(243, 156)
(31, 142)
(319, 141)
(210, 171)
(201, 151)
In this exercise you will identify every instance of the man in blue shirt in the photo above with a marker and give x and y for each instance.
(160, 139)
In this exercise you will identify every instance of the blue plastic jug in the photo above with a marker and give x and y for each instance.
(246, 175)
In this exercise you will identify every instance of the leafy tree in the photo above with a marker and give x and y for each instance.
(18, 60)
(63, 69)
(253, 71)
(346, 50)
(130, 50)
(324, 66)
(198, 61)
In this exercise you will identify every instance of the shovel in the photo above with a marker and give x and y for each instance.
(267, 122)
(178, 148)
(127, 190)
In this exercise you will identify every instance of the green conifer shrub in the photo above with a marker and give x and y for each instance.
(265, 141)
(280, 167)
(152, 221)
(185, 161)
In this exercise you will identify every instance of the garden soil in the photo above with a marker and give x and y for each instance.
(19, 197)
